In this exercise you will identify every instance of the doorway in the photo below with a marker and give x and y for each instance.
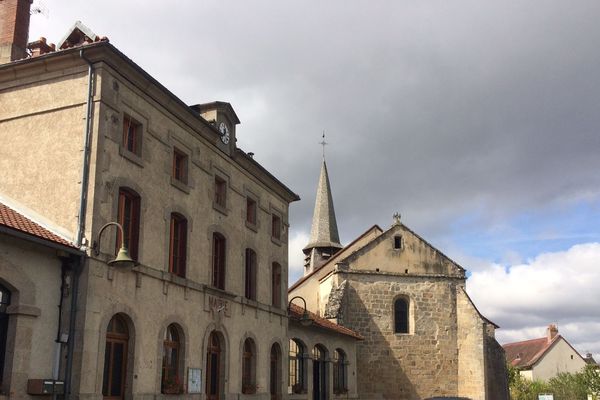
(115, 359)
(275, 372)
(319, 373)
(213, 367)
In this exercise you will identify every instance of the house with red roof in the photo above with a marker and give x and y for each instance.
(544, 358)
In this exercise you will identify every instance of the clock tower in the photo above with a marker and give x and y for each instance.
(223, 118)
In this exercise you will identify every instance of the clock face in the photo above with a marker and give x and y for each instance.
(224, 132)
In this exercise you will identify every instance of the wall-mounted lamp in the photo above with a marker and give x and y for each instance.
(305, 319)
(123, 259)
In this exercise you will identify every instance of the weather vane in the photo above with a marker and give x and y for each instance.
(323, 143)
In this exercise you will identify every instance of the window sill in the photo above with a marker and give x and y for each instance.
(184, 187)
(134, 158)
(276, 241)
(219, 208)
(252, 226)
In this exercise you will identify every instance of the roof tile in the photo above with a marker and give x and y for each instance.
(296, 312)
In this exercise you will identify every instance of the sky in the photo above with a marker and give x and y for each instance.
(478, 121)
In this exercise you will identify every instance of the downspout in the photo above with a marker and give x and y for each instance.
(79, 264)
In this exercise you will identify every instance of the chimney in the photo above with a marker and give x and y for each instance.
(14, 29)
(551, 332)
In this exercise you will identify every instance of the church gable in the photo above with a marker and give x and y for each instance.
(400, 250)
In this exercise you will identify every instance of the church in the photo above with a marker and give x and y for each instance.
(423, 336)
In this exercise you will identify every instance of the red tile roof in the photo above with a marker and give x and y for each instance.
(12, 219)
(296, 312)
(526, 353)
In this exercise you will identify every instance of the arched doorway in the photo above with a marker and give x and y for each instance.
(275, 372)
(115, 358)
(4, 303)
(213, 367)
(319, 373)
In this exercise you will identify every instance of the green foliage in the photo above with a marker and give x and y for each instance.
(564, 386)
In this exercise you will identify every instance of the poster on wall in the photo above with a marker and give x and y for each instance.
(194, 383)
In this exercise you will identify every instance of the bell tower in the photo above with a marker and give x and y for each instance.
(324, 238)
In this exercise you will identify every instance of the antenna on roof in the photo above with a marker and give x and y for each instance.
(39, 8)
(323, 143)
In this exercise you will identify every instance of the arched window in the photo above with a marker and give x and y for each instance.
(276, 285)
(401, 316)
(274, 372)
(320, 373)
(218, 270)
(250, 275)
(340, 382)
(249, 367)
(4, 303)
(171, 382)
(178, 244)
(115, 358)
(296, 367)
(128, 215)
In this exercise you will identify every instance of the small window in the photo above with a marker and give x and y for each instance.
(340, 382)
(250, 211)
(218, 269)
(220, 192)
(276, 226)
(250, 275)
(249, 368)
(401, 316)
(180, 166)
(177, 245)
(132, 134)
(171, 382)
(128, 216)
(397, 242)
(276, 285)
(296, 367)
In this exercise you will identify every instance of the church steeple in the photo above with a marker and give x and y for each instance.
(324, 237)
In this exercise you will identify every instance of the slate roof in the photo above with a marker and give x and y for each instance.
(296, 312)
(526, 353)
(16, 221)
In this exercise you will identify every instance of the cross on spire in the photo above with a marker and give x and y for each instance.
(323, 143)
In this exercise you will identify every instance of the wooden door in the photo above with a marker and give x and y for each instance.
(115, 359)
(213, 367)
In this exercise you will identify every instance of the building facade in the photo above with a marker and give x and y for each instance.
(423, 336)
(544, 358)
(89, 140)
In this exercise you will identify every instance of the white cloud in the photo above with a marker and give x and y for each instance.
(558, 287)
(296, 258)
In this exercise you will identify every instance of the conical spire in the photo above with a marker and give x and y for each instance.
(324, 231)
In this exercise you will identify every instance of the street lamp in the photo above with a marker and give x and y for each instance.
(305, 319)
(123, 259)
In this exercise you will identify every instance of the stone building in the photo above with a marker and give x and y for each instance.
(90, 139)
(423, 336)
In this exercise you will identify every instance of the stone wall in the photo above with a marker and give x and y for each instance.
(417, 365)
(495, 370)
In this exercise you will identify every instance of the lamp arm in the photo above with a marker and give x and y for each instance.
(294, 298)
(119, 227)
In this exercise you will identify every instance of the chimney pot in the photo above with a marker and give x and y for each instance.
(551, 332)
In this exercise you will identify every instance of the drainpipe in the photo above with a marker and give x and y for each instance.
(86, 153)
(79, 264)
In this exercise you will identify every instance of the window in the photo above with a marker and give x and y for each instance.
(128, 216)
(248, 368)
(250, 276)
(340, 385)
(250, 211)
(401, 316)
(276, 285)
(115, 358)
(220, 192)
(132, 134)
(398, 242)
(180, 166)
(177, 245)
(4, 303)
(218, 270)
(296, 367)
(171, 381)
(274, 372)
(276, 226)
